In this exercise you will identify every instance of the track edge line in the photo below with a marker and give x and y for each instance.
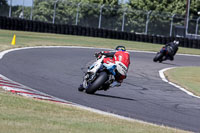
(163, 77)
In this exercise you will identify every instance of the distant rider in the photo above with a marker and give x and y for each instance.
(119, 57)
(172, 48)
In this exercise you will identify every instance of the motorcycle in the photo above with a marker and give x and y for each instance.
(99, 76)
(163, 54)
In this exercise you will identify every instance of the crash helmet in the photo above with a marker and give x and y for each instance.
(120, 48)
(176, 42)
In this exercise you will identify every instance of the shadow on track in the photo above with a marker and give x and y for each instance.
(109, 96)
(167, 63)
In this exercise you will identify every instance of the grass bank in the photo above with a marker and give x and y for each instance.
(25, 115)
(24, 39)
(187, 77)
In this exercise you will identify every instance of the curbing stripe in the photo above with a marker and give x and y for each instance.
(26, 91)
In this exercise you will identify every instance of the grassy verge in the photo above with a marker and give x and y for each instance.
(187, 77)
(24, 115)
(19, 114)
(24, 39)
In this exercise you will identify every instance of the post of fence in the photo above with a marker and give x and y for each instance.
(123, 21)
(171, 27)
(147, 22)
(197, 22)
(31, 16)
(100, 14)
(77, 13)
(23, 10)
(10, 9)
(187, 17)
(54, 14)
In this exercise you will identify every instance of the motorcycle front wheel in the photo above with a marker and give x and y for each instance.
(158, 57)
(100, 80)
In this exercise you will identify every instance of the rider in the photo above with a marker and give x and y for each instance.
(120, 57)
(172, 48)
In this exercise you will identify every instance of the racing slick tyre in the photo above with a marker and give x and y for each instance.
(158, 57)
(100, 80)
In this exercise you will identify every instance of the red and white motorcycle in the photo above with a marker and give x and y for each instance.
(100, 75)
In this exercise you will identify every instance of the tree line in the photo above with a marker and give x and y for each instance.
(135, 11)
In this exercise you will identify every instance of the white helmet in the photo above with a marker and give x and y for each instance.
(176, 42)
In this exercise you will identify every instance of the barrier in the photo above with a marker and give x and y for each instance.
(37, 26)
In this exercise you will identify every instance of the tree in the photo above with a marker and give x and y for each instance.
(161, 13)
(43, 10)
(171, 6)
(194, 7)
(66, 11)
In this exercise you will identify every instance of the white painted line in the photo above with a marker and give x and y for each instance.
(111, 114)
(161, 73)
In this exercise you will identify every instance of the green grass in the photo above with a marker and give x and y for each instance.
(187, 77)
(24, 39)
(19, 114)
(26, 115)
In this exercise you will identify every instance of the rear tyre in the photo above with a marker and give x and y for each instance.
(100, 80)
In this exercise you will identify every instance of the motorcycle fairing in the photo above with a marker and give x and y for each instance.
(121, 68)
(110, 67)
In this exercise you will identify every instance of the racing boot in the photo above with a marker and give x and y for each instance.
(106, 87)
(115, 84)
(171, 58)
(80, 88)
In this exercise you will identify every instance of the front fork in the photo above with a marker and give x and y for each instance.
(85, 84)
(88, 78)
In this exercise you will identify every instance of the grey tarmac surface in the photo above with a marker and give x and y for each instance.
(143, 95)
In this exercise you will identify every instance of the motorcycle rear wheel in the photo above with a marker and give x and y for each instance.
(100, 80)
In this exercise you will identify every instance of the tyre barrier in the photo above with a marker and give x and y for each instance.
(37, 26)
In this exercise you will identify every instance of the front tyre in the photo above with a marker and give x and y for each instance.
(158, 57)
(100, 80)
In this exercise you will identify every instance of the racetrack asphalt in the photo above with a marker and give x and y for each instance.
(143, 95)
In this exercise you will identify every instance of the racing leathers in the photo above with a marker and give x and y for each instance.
(172, 48)
(122, 61)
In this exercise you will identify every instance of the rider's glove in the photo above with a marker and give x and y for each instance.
(98, 55)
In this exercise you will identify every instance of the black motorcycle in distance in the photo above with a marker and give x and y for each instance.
(167, 52)
(164, 54)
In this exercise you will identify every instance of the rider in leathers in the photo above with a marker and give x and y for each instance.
(172, 49)
(120, 55)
